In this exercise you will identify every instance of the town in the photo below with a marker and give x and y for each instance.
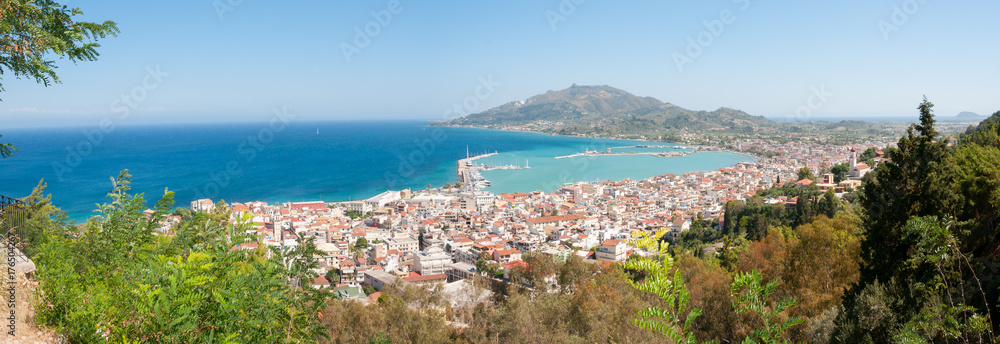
(447, 235)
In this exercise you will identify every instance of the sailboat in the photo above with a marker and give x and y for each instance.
(317, 131)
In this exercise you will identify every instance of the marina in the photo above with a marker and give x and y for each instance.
(469, 172)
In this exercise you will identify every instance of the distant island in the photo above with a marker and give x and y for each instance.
(965, 116)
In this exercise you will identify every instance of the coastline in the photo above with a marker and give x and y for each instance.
(459, 162)
(280, 193)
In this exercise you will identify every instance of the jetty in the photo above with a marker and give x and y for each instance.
(609, 153)
(469, 171)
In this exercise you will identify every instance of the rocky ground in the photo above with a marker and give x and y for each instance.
(26, 330)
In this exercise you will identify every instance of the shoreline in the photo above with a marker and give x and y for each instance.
(83, 217)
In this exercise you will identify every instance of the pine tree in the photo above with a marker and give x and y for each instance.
(913, 182)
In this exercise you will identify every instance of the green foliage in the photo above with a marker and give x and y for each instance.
(118, 281)
(752, 218)
(829, 204)
(379, 339)
(752, 296)
(333, 275)
(839, 172)
(914, 182)
(32, 30)
(932, 216)
(6, 149)
(936, 246)
(805, 173)
(658, 280)
(43, 220)
(355, 215)
(987, 133)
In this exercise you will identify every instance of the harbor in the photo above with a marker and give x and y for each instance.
(469, 172)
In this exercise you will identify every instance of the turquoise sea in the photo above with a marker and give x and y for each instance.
(294, 161)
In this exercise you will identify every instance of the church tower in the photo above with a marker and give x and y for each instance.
(854, 158)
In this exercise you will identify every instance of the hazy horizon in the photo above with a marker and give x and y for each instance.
(204, 61)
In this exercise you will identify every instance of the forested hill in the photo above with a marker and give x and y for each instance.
(608, 109)
(986, 133)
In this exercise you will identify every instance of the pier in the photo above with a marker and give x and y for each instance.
(469, 171)
(596, 153)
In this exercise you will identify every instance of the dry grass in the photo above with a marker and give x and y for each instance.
(27, 331)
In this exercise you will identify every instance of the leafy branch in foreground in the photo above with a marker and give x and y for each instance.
(119, 280)
(752, 296)
(33, 29)
(670, 287)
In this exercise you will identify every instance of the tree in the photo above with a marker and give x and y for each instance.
(42, 219)
(333, 275)
(30, 31)
(918, 180)
(422, 240)
(828, 204)
(361, 244)
(839, 172)
(915, 181)
(114, 280)
(805, 173)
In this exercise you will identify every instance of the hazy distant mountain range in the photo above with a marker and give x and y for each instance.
(606, 108)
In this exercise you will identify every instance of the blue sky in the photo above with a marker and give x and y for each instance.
(766, 59)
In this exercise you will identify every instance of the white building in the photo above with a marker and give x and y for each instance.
(431, 262)
(612, 251)
(857, 171)
(382, 199)
(202, 205)
(404, 244)
(359, 207)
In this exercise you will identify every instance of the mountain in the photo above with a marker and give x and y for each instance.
(972, 116)
(605, 110)
(964, 116)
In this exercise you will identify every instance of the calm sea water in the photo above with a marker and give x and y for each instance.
(330, 161)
